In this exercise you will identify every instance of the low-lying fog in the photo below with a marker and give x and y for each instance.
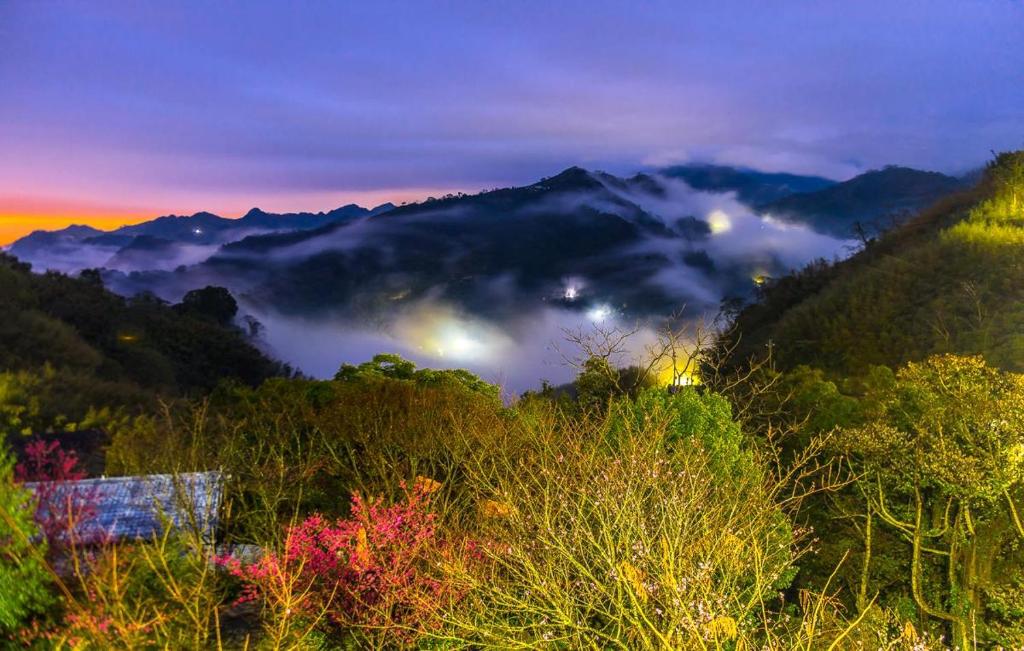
(707, 246)
(519, 352)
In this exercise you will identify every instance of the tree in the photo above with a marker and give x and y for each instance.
(395, 367)
(941, 462)
(215, 303)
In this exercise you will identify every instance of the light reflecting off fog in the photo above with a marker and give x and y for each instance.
(515, 355)
(719, 222)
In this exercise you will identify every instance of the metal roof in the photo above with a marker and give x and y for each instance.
(132, 508)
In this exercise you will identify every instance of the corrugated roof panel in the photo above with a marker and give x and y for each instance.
(136, 507)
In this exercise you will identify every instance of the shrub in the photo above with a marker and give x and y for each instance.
(63, 509)
(370, 575)
(24, 579)
(157, 594)
(293, 446)
(620, 531)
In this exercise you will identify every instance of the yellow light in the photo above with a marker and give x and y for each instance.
(441, 333)
(719, 222)
(673, 375)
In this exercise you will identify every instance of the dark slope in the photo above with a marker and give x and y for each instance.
(77, 247)
(77, 327)
(876, 200)
(462, 248)
(751, 186)
(950, 280)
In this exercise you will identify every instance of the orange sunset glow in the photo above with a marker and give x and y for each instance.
(20, 215)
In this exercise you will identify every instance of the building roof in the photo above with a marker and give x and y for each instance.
(115, 509)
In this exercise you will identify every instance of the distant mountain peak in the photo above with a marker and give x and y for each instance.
(875, 199)
(751, 186)
(572, 178)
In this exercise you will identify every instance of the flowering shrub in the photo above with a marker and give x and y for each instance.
(63, 510)
(370, 574)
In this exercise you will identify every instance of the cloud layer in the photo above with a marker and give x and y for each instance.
(184, 107)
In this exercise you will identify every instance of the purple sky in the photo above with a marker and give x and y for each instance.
(144, 108)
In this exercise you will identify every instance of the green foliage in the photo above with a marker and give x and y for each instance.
(689, 416)
(949, 281)
(596, 383)
(940, 461)
(51, 401)
(24, 580)
(210, 302)
(619, 530)
(394, 367)
(299, 445)
(124, 346)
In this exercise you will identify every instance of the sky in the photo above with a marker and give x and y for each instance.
(115, 112)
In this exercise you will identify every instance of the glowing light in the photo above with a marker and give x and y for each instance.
(719, 222)
(197, 231)
(759, 279)
(442, 334)
(670, 375)
(458, 344)
(570, 293)
(599, 313)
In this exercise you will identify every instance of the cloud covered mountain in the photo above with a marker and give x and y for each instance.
(471, 280)
(164, 242)
(648, 244)
(873, 201)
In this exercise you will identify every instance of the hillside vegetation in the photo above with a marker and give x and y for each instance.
(861, 486)
(868, 203)
(68, 344)
(951, 280)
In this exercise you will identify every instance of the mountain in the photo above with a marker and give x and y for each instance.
(751, 186)
(876, 200)
(949, 280)
(642, 245)
(173, 237)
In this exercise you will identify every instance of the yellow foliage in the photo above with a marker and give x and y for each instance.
(634, 577)
(909, 632)
(426, 485)
(723, 626)
(495, 509)
(362, 547)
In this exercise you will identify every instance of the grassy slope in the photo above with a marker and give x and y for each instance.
(951, 280)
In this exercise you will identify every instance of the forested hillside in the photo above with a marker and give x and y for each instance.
(907, 360)
(951, 280)
(68, 344)
(868, 203)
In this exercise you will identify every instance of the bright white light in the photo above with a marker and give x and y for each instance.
(455, 343)
(719, 222)
(197, 231)
(599, 313)
(462, 345)
(570, 293)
